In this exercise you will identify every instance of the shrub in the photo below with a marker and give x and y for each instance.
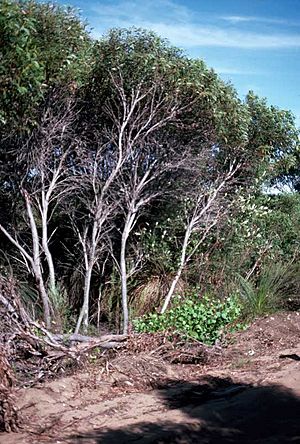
(203, 318)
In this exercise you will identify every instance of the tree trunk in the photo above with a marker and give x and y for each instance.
(45, 299)
(127, 228)
(84, 313)
(124, 283)
(52, 280)
(187, 236)
(37, 268)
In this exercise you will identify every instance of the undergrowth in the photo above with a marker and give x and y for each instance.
(204, 318)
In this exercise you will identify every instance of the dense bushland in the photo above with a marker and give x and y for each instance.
(131, 173)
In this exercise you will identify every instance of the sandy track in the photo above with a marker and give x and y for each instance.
(251, 396)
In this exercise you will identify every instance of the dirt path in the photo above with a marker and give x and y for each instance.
(251, 396)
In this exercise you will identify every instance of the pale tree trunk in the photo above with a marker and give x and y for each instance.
(89, 253)
(135, 201)
(84, 312)
(46, 197)
(134, 115)
(45, 244)
(48, 186)
(187, 236)
(37, 275)
(44, 297)
(90, 245)
(123, 269)
(37, 268)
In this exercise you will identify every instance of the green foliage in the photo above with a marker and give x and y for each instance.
(204, 318)
(30, 299)
(42, 46)
(139, 53)
(62, 41)
(231, 118)
(260, 229)
(160, 240)
(273, 136)
(248, 228)
(283, 227)
(137, 58)
(271, 130)
(21, 74)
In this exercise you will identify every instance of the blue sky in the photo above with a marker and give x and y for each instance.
(253, 43)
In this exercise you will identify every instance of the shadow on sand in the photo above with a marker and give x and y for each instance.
(222, 412)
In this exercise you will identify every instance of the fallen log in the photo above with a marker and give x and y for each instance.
(29, 343)
(76, 337)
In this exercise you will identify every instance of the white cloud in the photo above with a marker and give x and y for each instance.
(125, 11)
(248, 18)
(197, 35)
(182, 28)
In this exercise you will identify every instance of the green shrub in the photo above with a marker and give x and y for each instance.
(203, 318)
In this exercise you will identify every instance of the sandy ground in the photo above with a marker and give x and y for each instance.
(250, 395)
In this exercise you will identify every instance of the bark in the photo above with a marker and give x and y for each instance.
(17, 245)
(90, 256)
(44, 297)
(101, 213)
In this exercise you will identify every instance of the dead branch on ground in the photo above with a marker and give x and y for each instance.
(36, 352)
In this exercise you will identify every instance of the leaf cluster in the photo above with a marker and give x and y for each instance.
(202, 317)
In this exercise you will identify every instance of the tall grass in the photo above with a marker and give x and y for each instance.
(150, 295)
(275, 287)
